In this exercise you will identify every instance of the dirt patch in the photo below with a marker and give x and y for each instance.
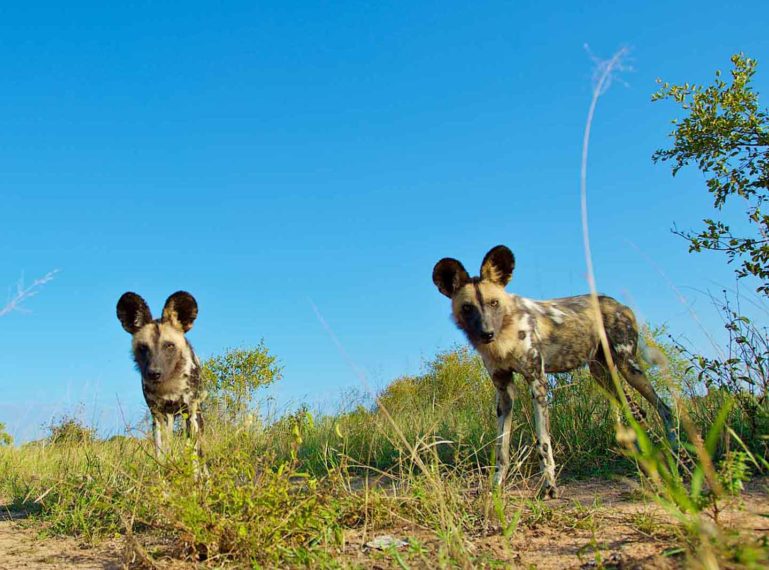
(596, 524)
(22, 547)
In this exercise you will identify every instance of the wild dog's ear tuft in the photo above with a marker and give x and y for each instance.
(180, 311)
(498, 265)
(133, 312)
(449, 275)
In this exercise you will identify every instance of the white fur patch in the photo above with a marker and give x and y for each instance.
(530, 305)
(557, 315)
(624, 349)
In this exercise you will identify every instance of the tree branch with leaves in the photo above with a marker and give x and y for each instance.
(725, 134)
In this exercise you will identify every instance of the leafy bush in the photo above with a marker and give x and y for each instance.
(233, 378)
(725, 133)
(738, 377)
(248, 509)
(449, 411)
(5, 437)
(69, 429)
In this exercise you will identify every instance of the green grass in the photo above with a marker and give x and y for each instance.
(291, 491)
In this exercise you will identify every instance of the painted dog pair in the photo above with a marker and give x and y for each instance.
(512, 334)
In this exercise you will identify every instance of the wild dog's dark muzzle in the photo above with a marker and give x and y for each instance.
(487, 327)
(477, 325)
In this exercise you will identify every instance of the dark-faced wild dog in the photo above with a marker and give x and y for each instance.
(533, 338)
(168, 365)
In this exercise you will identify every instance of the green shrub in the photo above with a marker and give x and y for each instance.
(69, 429)
(5, 437)
(233, 378)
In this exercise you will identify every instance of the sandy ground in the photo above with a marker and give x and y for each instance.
(594, 521)
(21, 547)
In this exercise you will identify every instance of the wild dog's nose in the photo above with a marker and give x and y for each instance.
(487, 336)
(153, 374)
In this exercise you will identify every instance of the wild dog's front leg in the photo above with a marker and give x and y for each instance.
(538, 386)
(158, 427)
(163, 430)
(503, 381)
(194, 424)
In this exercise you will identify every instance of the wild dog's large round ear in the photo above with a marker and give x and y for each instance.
(449, 275)
(498, 265)
(180, 311)
(133, 312)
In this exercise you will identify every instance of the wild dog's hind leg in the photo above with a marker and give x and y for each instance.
(638, 380)
(194, 425)
(538, 386)
(505, 393)
(600, 372)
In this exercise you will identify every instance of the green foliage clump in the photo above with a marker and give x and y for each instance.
(738, 377)
(249, 509)
(734, 470)
(448, 411)
(5, 437)
(726, 134)
(452, 378)
(70, 429)
(79, 489)
(233, 378)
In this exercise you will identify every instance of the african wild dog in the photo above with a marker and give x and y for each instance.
(169, 367)
(533, 338)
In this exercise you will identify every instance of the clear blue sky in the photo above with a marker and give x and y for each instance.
(267, 156)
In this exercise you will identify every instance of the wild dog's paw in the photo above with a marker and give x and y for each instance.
(549, 492)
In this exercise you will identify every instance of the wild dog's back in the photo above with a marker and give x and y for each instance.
(569, 334)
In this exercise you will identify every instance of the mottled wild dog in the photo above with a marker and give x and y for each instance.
(168, 365)
(533, 338)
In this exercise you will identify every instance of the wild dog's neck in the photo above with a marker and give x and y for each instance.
(193, 364)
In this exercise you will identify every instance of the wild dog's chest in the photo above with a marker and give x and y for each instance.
(516, 348)
(173, 395)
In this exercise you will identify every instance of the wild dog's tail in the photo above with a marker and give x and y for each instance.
(651, 354)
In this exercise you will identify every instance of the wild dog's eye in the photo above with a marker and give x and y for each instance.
(142, 348)
(169, 346)
(467, 307)
(494, 303)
